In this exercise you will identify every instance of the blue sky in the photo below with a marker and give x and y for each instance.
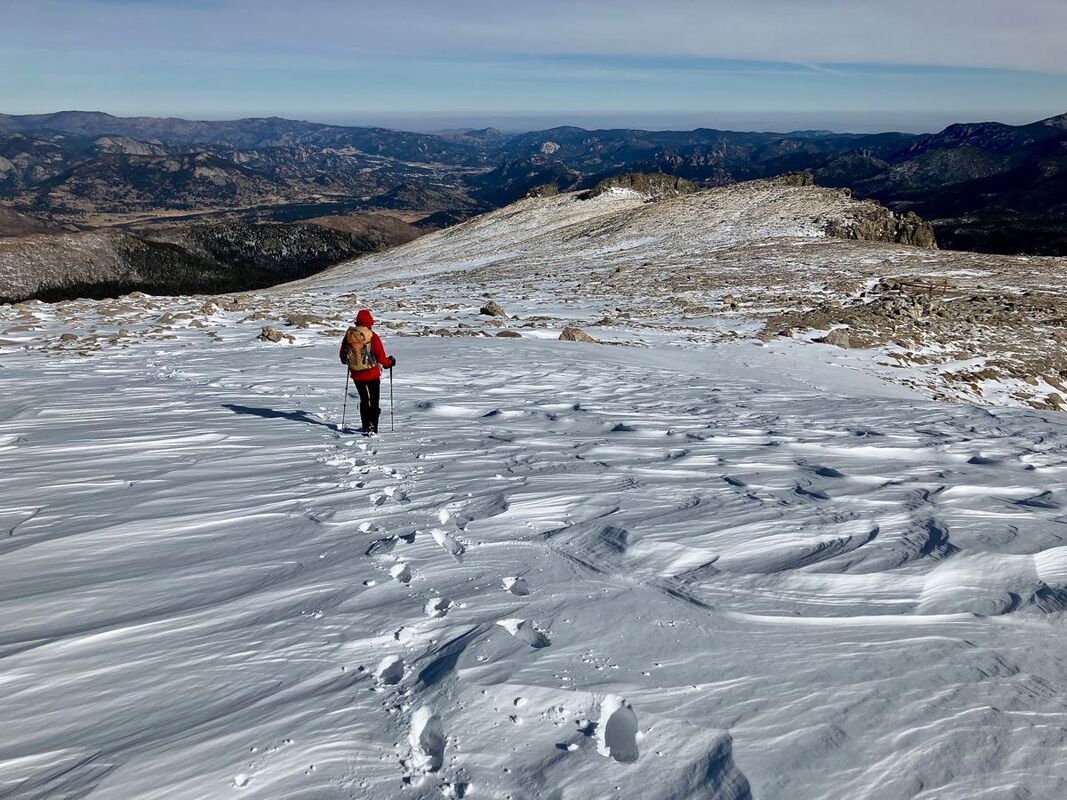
(783, 64)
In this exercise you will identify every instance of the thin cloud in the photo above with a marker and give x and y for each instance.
(1025, 35)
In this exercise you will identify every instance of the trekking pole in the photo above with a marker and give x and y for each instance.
(392, 427)
(344, 409)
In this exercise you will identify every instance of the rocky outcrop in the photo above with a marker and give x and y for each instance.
(872, 222)
(656, 185)
(802, 178)
(544, 190)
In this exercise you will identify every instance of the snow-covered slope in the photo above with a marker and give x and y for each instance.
(615, 225)
(706, 567)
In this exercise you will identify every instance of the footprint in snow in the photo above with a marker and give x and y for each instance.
(437, 607)
(616, 732)
(517, 586)
(390, 671)
(829, 472)
(427, 739)
(524, 632)
(381, 546)
(448, 542)
(400, 572)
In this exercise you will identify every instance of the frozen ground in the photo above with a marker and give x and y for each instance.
(864, 595)
(703, 568)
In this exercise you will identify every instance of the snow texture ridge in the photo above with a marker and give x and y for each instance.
(680, 563)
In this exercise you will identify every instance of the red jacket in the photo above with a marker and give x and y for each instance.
(374, 373)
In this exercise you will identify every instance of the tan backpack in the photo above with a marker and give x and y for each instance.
(360, 356)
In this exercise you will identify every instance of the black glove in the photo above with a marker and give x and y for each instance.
(392, 361)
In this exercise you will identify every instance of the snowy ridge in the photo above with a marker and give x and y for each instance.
(565, 226)
(696, 566)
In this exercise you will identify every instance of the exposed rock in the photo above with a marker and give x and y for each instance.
(544, 190)
(655, 184)
(870, 221)
(493, 309)
(509, 335)
(801, 178)
(304, 320)
(838, 337)
(573, 334)
(272, 334)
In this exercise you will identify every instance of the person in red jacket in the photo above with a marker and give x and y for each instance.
(368, 379)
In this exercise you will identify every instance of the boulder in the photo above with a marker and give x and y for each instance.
(304, 320)
(493, 309)
(509, 335)
(272, 334)
(838, 337)
(572, 334)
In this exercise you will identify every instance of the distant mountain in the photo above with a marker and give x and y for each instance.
(253, 133)
(985, 186)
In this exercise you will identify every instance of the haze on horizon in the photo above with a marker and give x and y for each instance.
(911, 65)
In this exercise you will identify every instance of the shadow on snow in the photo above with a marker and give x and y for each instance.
(272, 413)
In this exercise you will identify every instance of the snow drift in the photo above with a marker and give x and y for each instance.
(694, 566)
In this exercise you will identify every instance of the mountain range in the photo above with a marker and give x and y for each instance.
(985, 186)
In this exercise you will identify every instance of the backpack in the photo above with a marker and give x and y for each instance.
(360, 356)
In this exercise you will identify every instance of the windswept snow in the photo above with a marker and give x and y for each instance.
(197, 585)
(697, 566)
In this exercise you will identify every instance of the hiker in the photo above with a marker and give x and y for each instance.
(362, 351)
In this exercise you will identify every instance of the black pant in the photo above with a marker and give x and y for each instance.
(369, 410)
